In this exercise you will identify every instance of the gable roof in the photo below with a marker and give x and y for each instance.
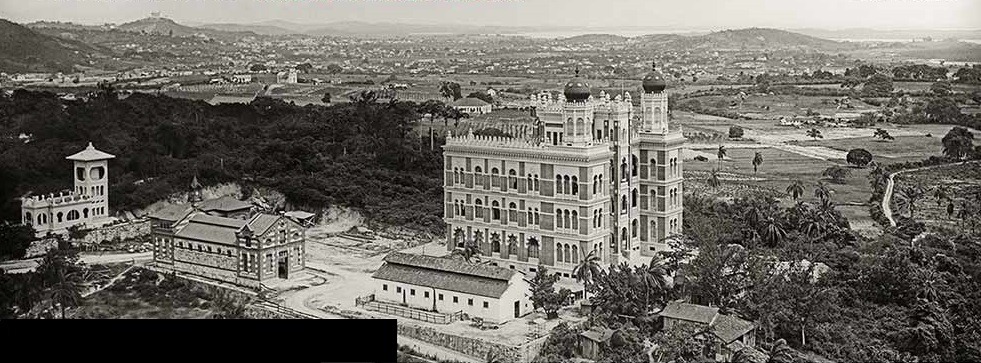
(206, 228)
(689, 312)
(260, 223)
(470, 101)
(90, 154)
(598, 334)
(224, 204)
(172, 213)
(729, 328)
(445, 274)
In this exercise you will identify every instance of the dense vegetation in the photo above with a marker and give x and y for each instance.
(359, 154)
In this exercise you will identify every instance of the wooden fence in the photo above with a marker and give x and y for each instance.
(369, 303)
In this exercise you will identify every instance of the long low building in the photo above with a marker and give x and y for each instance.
(445, 285)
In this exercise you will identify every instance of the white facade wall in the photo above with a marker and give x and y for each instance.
(498, 310)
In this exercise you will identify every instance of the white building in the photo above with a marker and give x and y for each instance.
(445, 285)
(472, 106)
(87, 204)
(596, 176)
(241, 78)
(286, 76)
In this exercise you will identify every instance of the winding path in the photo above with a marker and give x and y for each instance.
(890, 184)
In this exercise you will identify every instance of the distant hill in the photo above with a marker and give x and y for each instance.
(170, 27)
(859, 34)
(593, 38)
(355, 28)
(756, 38)
(23, 50)
(948, 50)
(253, 28)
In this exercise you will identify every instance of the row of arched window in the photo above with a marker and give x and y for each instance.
(566, 253)
(566, 219)
(598, 218)
(597, 184)
(565, 184)
(512, 179)
(62, 217)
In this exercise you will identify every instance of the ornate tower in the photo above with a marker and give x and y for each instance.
(92, 177)
(196, 195)
(660, 159)
(577, 112)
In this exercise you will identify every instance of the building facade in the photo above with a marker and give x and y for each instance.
(245, 252)
(472, 106)
(445, 285)
(86, 204)
(597, 177)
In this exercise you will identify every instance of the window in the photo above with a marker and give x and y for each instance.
(470, 302)
(456, 299)
(440, 296)
(558, 218)
(486, 305)
(512, 212)
(633, 166)
(623, 169)
(558, 252)
(558, 184)
(512, 179)
(536, 182)
(575, 220)
(575, 254)
(566, 220)
(398, 289)
(426, 294)
(495, 211)
(633, 228)
(566, 185)
(575, 186)
(384, 287)
(495, 243)
(512, 245)
(478, 208)
(633, 198)
(532, 248)
(623, 204)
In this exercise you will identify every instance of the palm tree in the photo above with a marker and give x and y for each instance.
(66, 291)
(822, 192)
(795, 189)
(721, 154)
(713, 180)
(470, 251)
(772, 232)
(655, 278)
(757, 161)
(815, 134)
(588, 270)
(941, 192)
(908, 196)
(780, 352)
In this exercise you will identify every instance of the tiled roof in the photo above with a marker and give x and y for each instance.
(90, 154)
(261, 223)
(172, 213)
(470, 102)
(203, 227)
(445, 274)
(689, 312)
(729, 328)
(224, 204)
(598, 334)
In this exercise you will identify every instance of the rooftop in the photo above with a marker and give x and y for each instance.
(90, 154)
(445, 274)
(220, 230)
(470, 101)
(224, 204)
(690, 312)
(172, 213)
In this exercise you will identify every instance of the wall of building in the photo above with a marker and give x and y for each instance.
(118, 232)
(497, 310)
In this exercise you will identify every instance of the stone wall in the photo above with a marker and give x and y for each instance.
(41, 247)
(122, 231)
(473, 347)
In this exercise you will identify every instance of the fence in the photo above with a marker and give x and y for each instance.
(407, 312)
(287, 311)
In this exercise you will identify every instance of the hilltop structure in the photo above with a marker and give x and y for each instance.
(87, 203)
(594, 176)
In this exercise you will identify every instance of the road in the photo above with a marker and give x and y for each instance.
(890, 184)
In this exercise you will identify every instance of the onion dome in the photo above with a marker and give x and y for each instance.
(576, 90)
(654, 81)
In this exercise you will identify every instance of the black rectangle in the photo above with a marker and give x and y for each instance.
(207, 340)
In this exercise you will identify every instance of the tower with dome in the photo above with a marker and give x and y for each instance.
(599, 175)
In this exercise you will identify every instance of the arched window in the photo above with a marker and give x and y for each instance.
(575, 220)
(40, 219)
(85, 213)
(528, 184)
(568, 126)
(478, 237)
(654, 231)
(512, 245)
(623, 238)
(580, 126)
(478, 208)
(495, 211)
(494, 174)
(495, 243)
(477, 178)
(558, 184)
(512, 179)
(558, 252)
(575, 254)
(536, 182)
(595, 183)
(601, 216)
(575, 186)
(60, 217)
(532, 248)
(633, 198)
(566, 185)
(558, 218)
(633, 160)
(458, 237)
(623, 169)
(512, 212)
(566, 220)
(633, 228)
(536, 216)
(568, 253)
(623, 204)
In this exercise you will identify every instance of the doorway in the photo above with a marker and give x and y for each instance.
(517, 309)
(284, 266)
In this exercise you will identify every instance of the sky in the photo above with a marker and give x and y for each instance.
(679, 14)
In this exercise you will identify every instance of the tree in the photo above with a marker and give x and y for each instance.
(227, 306)
(882, 134)
(941, 88)
(713, 180)
(958, 143)
(836, 173)
(543, 293)
(795, 189)
(470, 251)
(941, 193)
(909, 195)
(333, 68)
(814, 134)
(721, 154)
(450, 90)
(822, 192)
(858, 157)
(588, 270)
(942, 110)
(757, 161)
(66, 291)
(14, 240)
(781, 352)
(482, 96)
(735, 132)
(878, 84)
(681, 342)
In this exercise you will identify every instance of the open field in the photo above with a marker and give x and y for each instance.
(903, 148)
(963, 181)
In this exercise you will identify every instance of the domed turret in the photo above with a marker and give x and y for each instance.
(576, 90)
(654, 81)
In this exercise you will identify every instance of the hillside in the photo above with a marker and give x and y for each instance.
(593, 38)
(24, 50)
(170, 27)
(757, 38)
(245, 28)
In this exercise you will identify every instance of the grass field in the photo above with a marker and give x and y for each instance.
(903, 148)
(964, 182)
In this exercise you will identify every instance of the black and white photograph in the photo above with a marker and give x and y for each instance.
(491, 181)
